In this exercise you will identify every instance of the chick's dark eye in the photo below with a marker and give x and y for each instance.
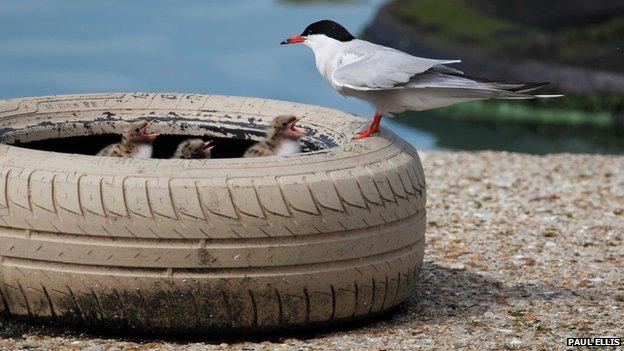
(136, 130)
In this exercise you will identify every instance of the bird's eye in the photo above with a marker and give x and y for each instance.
(136, 130)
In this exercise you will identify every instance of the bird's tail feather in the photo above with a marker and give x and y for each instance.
(527, 87)
(476, 87)
(548, 96)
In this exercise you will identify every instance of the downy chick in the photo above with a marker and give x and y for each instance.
(193, 148)
(282, 138)
(136, 142)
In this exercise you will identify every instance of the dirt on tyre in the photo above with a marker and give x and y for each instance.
(220, 245)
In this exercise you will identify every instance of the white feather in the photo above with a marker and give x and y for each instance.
(143, 151)
(394, 81)
(361, 65)
(289, 147)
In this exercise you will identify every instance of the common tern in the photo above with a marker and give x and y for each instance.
(394, 81)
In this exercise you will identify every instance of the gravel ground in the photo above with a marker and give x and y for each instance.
(522, 252)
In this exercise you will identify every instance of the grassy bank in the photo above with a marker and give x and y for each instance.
(517, 112)
(597, 45)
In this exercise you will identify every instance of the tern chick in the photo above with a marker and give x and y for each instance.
(282, 138)
(136, 142)
(193, 149)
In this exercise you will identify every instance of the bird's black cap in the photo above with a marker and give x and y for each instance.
(330, 29)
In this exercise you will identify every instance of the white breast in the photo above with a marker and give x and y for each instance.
(330, 54)
(326, 54)
(143, 151)
(289, 147)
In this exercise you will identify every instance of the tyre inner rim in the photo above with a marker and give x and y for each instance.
(231, 137)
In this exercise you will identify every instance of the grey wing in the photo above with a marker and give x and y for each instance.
(383, 69)
(373, 67)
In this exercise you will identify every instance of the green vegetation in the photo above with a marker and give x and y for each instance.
(598, 45)
(518, 112)
(449, 19)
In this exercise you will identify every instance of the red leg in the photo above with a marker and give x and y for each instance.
(376, 122)
(374, 127)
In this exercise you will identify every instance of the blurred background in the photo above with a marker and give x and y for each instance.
(232, 48)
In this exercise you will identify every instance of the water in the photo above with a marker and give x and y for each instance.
(212, 47)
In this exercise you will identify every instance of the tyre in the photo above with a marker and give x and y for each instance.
(221, 245)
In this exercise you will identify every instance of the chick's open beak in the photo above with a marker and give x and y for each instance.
(148, 135)
(294, 40)
(296, 131)
(207, 147)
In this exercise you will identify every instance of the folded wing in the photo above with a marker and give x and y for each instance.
(380, 68)
(373, 67)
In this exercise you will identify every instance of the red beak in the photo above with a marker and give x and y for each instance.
(294, 40)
